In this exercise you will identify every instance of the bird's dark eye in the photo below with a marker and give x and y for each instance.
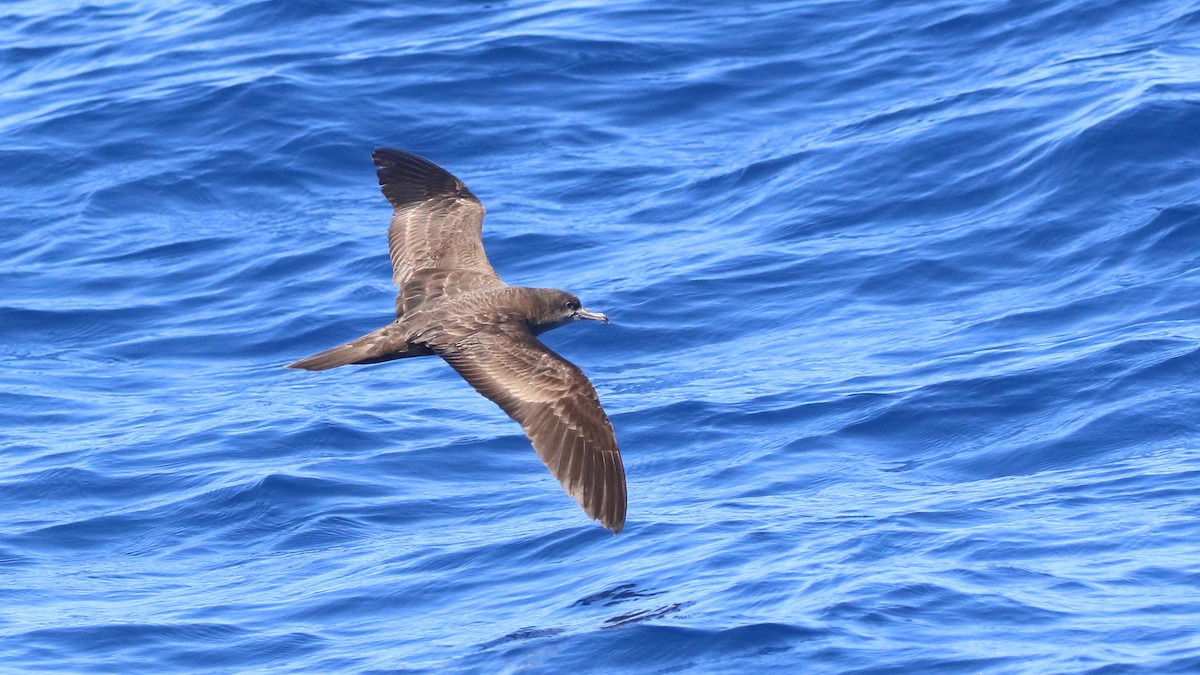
(573, 305)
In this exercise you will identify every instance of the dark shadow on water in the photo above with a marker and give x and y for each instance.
(616, 594)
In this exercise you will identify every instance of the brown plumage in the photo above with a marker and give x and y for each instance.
(451, 303)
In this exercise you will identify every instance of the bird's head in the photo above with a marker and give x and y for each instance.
(554, 308)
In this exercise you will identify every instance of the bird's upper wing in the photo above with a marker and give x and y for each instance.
(437, 222)
(558, 408)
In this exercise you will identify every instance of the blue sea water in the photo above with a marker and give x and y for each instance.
(903, 361)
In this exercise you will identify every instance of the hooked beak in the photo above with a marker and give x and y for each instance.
(585, 313)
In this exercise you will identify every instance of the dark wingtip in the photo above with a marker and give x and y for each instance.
(406, 178)
(616, 520)
(611, 509)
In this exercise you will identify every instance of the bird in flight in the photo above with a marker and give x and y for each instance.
(452, 304)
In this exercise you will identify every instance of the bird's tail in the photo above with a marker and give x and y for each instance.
(374, 347)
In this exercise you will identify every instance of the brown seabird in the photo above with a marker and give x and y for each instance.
(451, 303)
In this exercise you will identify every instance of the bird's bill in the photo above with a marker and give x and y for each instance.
(585, 313)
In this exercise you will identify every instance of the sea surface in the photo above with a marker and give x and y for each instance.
(904, 360)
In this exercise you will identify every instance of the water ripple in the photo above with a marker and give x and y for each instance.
(902, 360)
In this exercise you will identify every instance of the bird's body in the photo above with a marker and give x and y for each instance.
(452, 304)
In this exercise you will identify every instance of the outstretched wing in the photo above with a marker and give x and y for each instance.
(559, 410)
(437, 222)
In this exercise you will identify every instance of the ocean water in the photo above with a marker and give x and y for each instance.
(903, 361)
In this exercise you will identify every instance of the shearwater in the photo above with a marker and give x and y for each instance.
(452, 304)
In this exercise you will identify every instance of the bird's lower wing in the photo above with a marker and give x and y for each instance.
(557, 407)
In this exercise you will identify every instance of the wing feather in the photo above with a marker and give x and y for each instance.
(436, 222)
(559, 410)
